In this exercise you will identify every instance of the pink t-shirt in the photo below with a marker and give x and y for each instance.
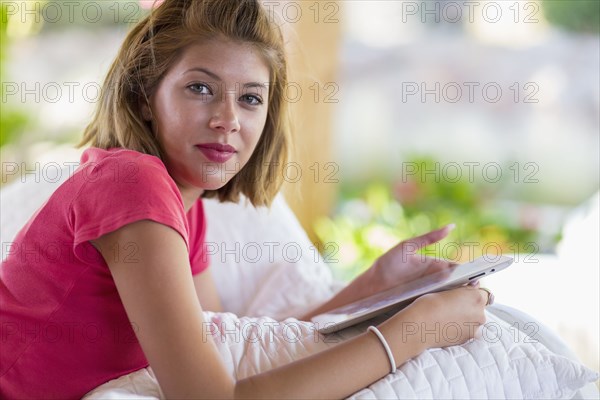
(64, 330)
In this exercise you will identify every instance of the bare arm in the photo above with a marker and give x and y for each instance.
(159, 297)
(206, 291)
(158, 293)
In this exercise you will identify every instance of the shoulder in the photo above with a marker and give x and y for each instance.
(123, 169)
(116, 187)
(123, 163)
(123, 178)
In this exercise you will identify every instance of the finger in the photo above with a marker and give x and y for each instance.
(473, 285)
(435, 266)
(487, 295)
(427, 239)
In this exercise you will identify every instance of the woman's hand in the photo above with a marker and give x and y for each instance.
(440, 319)
(403, 264)
(398, 265)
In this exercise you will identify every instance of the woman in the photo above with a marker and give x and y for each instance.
(193, 107)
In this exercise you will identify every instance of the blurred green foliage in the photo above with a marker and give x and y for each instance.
(12, 122)
(85, 14)
(574, 15)
(371, 219)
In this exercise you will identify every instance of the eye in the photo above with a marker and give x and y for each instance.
(252, 99)
(200, 88)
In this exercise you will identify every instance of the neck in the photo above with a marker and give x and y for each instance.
(189, 196)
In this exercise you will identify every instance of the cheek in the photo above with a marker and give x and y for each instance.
(171, 118)
(255, 133)
(161, 113)
(260, 124)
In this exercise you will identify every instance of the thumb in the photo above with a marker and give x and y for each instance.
(427, 238)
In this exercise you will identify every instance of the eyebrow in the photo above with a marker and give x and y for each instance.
(218, 78)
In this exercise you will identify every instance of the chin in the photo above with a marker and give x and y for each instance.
(214, 183)
(215, 177)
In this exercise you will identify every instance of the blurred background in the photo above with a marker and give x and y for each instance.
(408, 115)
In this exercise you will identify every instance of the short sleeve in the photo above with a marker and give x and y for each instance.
(120, 190)
(199, 257)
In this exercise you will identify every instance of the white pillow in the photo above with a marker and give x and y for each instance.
(262, 260)
(502, 363)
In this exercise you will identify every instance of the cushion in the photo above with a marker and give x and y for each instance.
(501, 363)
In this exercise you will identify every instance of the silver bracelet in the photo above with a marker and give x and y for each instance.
(385, 346)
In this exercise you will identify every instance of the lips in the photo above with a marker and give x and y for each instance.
(217, 152)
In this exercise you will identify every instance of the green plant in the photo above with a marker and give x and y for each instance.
(12, 122)
(578, 16)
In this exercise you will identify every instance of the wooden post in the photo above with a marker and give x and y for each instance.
(314, 42)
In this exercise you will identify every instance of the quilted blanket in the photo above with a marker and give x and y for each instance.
(502, 363)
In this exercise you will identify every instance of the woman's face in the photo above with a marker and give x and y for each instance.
(209, 111)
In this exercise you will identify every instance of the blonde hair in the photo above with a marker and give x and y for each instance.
(148, 52)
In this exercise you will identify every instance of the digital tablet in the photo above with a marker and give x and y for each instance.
(398, 297)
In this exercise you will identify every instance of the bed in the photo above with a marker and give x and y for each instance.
(267, 280)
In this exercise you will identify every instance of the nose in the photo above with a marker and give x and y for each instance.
(225, 118)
